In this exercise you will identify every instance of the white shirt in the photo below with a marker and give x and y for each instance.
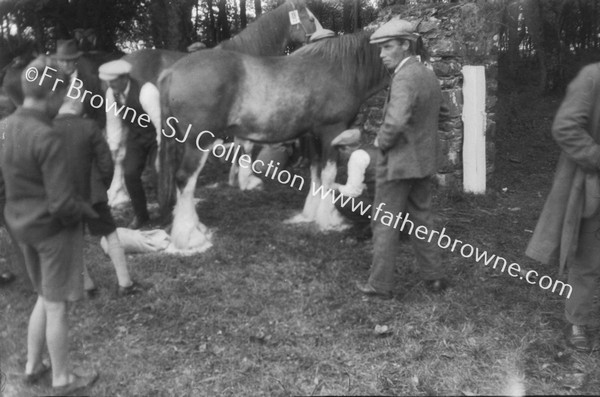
(150, 101)
(357, 165)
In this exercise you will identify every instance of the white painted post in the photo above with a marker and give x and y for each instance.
(474, 120)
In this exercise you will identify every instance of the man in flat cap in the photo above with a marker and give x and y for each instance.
(360, 181)
(407, 159)
(141, 142)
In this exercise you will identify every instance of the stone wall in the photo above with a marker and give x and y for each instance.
(454, 35)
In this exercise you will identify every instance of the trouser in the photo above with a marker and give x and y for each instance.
(136, 156)
(412, 198)
(584, 272)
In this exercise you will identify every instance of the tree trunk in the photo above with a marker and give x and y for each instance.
(212, 27)
(356, 23)
(223, 32)
(347, 16)
(532, 12)
(243, 17)
(257, 8)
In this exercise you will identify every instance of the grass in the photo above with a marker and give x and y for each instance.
(272, 310)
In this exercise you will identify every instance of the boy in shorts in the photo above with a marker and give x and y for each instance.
(44, 214)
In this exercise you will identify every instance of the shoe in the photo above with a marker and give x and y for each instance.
(138, 223)
(79, 383)
(30, 379)
(133, 289)
(436, 286)
(369, 290)
(6, 278)
(92, 293)
(577, 339)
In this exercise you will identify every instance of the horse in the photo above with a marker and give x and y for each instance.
(206, 97)
(270, 34)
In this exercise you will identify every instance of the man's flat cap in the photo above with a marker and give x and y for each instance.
(113, 69)
(347, 137)
(394, 29)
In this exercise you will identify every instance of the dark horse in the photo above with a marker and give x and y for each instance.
(215, 93)
(270, 34)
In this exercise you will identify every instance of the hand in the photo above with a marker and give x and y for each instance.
(376, 142)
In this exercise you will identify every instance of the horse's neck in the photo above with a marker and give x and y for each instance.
(263, 37)
(376, 88)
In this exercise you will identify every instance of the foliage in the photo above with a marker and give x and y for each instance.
(135, 24)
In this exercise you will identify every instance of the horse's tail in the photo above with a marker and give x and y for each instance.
(168, 151)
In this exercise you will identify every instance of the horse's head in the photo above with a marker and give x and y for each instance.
(302, 21)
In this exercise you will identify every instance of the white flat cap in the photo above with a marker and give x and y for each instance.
(113, 69)
(347, 137)
(321, 34)
(396, 28)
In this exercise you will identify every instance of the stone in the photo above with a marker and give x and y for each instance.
(446, 47)
(447, 68)
(453, 99)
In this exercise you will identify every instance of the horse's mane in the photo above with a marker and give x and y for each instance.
(358, 61)
(263, 36)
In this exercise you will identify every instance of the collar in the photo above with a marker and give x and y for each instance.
(404, 61)
(126, 92)
(37, 114)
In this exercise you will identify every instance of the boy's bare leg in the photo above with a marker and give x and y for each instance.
(36, 337)
(117, 256)
(57, 328)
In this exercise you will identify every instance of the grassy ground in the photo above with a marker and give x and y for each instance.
(272, 310)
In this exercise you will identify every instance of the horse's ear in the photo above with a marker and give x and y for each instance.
(78, 35)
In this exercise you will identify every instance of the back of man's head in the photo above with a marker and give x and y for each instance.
(33, 82)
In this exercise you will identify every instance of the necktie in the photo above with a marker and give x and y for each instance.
(119, 99)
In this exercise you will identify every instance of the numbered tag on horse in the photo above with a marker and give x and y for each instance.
(294, 17)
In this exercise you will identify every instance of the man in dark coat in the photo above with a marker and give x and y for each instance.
(567, 232)
(44, 214)
(407, 159)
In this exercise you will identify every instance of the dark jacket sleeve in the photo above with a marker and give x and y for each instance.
(102, 157)
(572, 122)
(62, 203)
(398, 113)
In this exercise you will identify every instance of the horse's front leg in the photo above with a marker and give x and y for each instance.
(188, 234)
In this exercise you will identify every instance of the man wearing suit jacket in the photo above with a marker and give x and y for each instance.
(70, 67)
(407, 159)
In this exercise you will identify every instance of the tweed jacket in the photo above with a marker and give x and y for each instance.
(408, 138)
(39, 200)
(89, 156)
(575, 192)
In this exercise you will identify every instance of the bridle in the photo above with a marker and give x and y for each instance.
(300, 23)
